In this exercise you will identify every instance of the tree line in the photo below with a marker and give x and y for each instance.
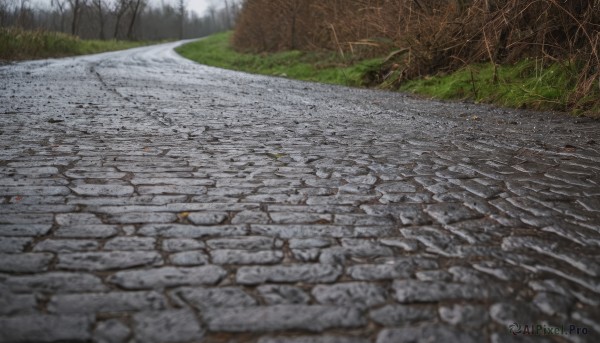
(119, 19)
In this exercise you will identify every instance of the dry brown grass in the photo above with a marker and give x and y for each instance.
(423, 37)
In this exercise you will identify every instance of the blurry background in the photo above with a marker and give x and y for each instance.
(122, 19)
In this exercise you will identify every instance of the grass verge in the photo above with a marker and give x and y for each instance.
(18, 45)
(325, 67)
(528, 84)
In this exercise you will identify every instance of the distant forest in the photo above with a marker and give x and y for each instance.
(119, 19)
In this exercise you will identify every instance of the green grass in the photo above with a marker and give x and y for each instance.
(17, 44)
(325, 67)
(528, 84)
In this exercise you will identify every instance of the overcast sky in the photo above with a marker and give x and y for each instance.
(199, 6)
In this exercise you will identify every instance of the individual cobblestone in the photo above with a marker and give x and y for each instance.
(302, 231)
(34, 191)
(245, 257)
(168, 277)
(395, 315)
(87, 231)
(396, 269)
(283, 294)
(282, 317)
(312, 273)
(46, 328)
(14, 304)
(244, 243)
(24, 230)
(171, 189)
(71, 219)
(207, 218)
(175, 244)
(350, 294)
(404, 244)
(449, 213)
(13, 244)
(106, 302)
(296, 243)
(130, 243)
(143, 217)
(407, 214)
(250, 217)
(299, 218)
(464, 315)
(167, 326)
(189, 258)
(54, 282)
(95, 261)
(306, 255)
(26, 218)
(25, 263)
(205, 299)
(434, 275)
(66, 245)
(396, 187)
(409, 291)
(102, 190)
(188, 231)
(111, 331)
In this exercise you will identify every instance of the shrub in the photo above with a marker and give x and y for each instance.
(423, 37)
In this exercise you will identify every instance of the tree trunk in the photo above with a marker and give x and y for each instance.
(133, 17)
(181, 8)
(227, 15)
(101, 22)
(75, 23)
(117, 24)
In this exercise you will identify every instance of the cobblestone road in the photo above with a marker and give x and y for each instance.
(146, 198)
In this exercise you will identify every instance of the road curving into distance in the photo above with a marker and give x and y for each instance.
(145, 197)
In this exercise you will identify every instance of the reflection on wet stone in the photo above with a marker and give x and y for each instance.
(209, 205)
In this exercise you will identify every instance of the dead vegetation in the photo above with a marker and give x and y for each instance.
(423, 37)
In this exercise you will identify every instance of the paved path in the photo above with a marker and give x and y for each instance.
(146, 198)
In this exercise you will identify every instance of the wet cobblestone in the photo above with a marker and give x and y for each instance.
(144, 198)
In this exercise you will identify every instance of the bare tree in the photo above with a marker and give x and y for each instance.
(132, 19)
(136, 7)
(4, 12)
(24, 10)
(227, 14)
(76, 7)
(100, 9)
(119, 9)
(212, 15)
(61, 6)
(181, 9)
